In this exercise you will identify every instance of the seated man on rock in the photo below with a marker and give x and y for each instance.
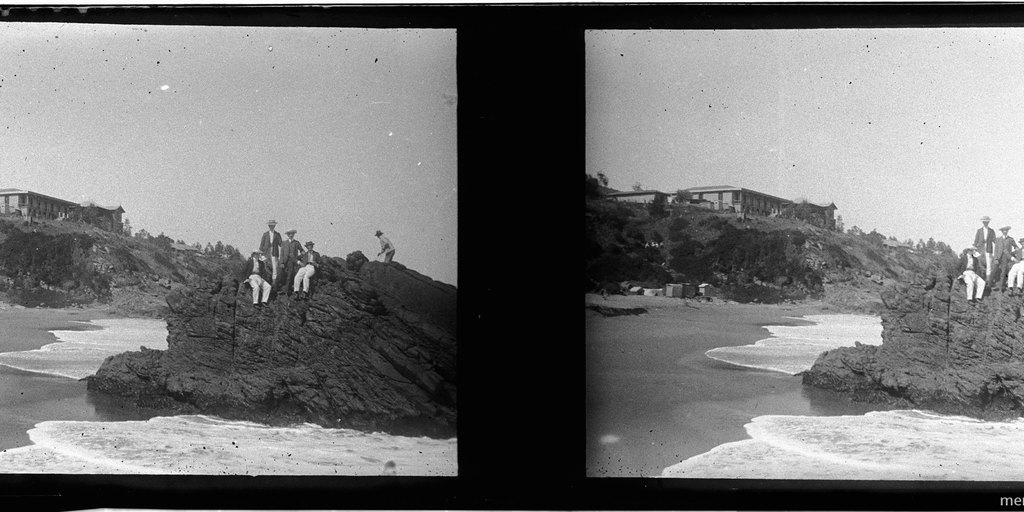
(971, 276)
(1016, 283)
(254, 271)
(307, 263)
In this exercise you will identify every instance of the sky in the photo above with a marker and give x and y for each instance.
(206, 133)
(916, 133)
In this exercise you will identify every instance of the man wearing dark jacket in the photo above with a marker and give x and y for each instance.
(971, 265)
(1002, 253)
(254, 272)
(984, 241)
(307, 264)
(291, 249)
(270, 245)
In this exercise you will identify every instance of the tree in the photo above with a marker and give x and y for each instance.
(930, 244)
(142, 234)
(637, 187)
(657, 207)
(209, 248)
(163, 241)
(856, 231)
(839, 223)
(682, 196)
(603, 179)
(127, 227)
(218, 249)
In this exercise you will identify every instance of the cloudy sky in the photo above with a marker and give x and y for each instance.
(914, 132)
(205, 133)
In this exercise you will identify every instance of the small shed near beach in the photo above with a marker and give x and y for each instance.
(707, 290)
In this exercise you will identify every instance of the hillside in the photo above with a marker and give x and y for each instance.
(762, 259)
(61, 264)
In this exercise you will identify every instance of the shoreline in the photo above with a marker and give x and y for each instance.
(29, 328)
(29, 397)
(655, 399)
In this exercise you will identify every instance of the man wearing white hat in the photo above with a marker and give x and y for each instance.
(270, 246)
(254, 271)
(308, 262)
(291, 249)
(984, 241)
(970, 262)
(1002, 254)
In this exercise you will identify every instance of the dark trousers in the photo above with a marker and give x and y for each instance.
(287, 276)
(1000, 269)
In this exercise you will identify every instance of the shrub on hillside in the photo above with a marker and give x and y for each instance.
(162, 258)
(714, 222)
(53, 259)
(678, 224)
(626, 267)
(59, 261)
(766, 255)
(685, 257)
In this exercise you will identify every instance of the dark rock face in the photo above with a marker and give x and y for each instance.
(611, 311)
(373, 349)
(940, 352)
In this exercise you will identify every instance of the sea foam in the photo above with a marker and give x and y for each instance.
(79, 354)
(890, 445)
(211, 446)
(794, 349)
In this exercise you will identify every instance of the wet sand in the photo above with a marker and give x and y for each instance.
(653, 397)
(27, 398)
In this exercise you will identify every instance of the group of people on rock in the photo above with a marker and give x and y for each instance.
(1000, 259)
(286, 261)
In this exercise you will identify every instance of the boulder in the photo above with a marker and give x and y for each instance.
(372, 349)
(939, 352)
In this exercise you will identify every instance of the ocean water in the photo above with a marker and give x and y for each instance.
(194, 444)
(880, 445)
(78, 354)
(793, 349)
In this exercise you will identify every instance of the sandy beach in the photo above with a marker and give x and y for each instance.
(28, 398)
(654, 398)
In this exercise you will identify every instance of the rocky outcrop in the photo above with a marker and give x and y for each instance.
(939, 352)
(373, 349)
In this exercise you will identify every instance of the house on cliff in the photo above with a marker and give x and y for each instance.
(737, 199)
(105, 217)
(33, 205)
(637, 196)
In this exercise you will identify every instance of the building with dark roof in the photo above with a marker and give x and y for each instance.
(738, 199)
(636, 196)
(33, 205)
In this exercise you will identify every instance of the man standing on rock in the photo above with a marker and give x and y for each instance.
(270, 245)
(291, 249)
(970, 262)
(308, 262)
(984, 241)
(386, 247)
(255, 272)
(1002, 253)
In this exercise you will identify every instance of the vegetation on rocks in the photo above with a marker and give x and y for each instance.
(765, 259)
(65, 263)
